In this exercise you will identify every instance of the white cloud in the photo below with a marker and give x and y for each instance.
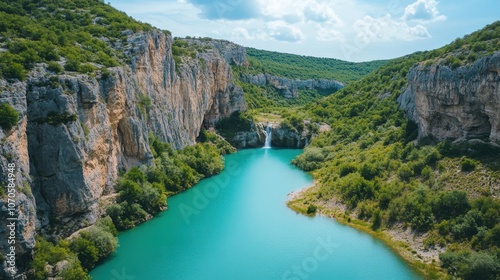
(328, 34)
(384, 28)
(423, 11)
(321, 12)
(282, 31)
(281, 9)
(293, 11)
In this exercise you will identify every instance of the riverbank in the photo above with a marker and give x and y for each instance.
(402, 241)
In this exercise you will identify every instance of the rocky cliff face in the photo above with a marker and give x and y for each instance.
(461, 103)
(289, 88)
(281, 136)
(290, 137)
(76, 132)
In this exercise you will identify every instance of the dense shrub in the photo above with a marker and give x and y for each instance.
(96, 243)
(86, 251)
(48, 253)
(85, 68)
(310, 159)
(405, 173)
(451, 204)
(236, 122)
(72, 65)
(471, 266)
(467, 164)
(55, 67)
(222, 145)
(306, 67)
(347, 168)
(311, 209)
(37, 32)
(369, 171)
(143, 191)
(8, 116)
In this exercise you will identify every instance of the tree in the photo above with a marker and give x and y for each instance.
(451, 204)
(482, 266)
(74, 272)
(368, 171)
(377, 220)
(86, 251)
(129, 190)
(136, 175)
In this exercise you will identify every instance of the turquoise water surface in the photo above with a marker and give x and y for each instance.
(236, 226)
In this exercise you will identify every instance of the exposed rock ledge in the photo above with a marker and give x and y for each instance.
(281, 136)
(460, 103)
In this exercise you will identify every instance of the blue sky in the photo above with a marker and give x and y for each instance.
(353, 30)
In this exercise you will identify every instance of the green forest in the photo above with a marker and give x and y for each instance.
(308, 67)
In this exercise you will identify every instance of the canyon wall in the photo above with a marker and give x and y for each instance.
(460, 104)
(76, 132)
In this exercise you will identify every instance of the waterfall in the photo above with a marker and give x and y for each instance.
(268, 132)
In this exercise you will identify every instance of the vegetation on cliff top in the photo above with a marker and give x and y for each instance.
(369, 162)
(80, 34)
(295, 67)
(308, 67)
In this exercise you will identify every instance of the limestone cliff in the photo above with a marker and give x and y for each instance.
(461, 103)
(282, 136)
(77, 131)
(289, 88)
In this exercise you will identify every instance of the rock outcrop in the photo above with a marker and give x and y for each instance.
(461, 103)
(231, 52)
(289, 88)
(252, 138)
(290, 137)
(76, 132)
(282, 136)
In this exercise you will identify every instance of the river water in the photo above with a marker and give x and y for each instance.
(236, 226)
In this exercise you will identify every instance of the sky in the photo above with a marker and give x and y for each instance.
(352, 30)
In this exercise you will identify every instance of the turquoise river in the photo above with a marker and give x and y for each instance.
(236, 226)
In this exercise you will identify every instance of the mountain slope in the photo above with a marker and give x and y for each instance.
(433, 194)
(308, 67)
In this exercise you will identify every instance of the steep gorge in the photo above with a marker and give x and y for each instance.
(77, 131)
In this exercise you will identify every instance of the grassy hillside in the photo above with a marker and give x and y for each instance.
(369, 163)
(308, 67)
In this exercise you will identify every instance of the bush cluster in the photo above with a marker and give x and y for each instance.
(8, 116)
(82, 253)
(143, 191)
